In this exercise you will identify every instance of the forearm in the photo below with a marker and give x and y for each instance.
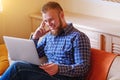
(73, 70)
(35, 40)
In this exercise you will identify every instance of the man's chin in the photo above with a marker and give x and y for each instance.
(53, 32)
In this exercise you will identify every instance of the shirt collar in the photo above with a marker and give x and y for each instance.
(68, 28)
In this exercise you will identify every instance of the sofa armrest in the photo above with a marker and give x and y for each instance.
(114, 73)
(101, 62)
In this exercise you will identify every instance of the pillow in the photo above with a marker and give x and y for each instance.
(4, 63)
(114, 73)
(100, 64)
(3, 50)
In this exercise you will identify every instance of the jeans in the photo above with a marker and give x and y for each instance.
(26, 71)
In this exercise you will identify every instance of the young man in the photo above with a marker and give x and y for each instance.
(66, 48)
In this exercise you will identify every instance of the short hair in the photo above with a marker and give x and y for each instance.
(51, 5)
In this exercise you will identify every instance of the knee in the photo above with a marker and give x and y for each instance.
(23, 65)
(18, 64)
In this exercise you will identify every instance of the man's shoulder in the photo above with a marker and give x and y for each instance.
(77, 31)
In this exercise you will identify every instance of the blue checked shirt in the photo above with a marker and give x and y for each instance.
(70, 50)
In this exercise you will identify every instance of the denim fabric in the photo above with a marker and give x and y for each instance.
(26, 71)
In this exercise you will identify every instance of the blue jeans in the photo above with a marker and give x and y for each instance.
(26, 71)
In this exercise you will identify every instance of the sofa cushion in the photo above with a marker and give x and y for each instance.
(114, 73)
(100, 64)
(3, 50)
(4, 62)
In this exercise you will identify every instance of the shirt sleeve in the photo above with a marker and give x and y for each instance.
(81, 46)
(40, 44)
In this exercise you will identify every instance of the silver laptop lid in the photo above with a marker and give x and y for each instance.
(22, 49)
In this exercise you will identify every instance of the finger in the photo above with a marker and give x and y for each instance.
(42, 24)
(46, 66)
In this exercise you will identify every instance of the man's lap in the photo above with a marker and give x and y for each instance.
(25, 71)
(28, 71)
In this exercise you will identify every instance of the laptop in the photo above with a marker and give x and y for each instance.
(22, 50)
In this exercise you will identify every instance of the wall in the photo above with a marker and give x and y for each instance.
(98, 8)
(15, 20)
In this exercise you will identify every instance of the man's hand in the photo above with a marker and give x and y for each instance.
(50, 68)
(40, 31)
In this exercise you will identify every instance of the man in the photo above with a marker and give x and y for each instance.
(66, 48)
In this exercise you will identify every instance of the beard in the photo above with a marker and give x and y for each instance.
(59, 29)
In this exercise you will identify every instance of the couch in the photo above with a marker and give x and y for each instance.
(4, 62)
(104, 65)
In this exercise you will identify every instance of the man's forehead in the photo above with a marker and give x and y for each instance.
(49, 14)
(50, 11)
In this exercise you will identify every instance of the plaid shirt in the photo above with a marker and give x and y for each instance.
(70, 50)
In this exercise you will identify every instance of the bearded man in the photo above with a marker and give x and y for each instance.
(66, 48)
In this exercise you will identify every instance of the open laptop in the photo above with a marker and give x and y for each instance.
(22, 49)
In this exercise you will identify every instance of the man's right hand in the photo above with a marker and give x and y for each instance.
(40, 31)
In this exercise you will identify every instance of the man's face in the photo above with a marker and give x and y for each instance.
(52, 19)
